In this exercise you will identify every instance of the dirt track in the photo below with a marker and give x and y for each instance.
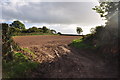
(58, 60)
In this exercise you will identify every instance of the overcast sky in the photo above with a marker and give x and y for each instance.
(61, 16)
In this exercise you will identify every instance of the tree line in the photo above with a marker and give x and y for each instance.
(18, 27)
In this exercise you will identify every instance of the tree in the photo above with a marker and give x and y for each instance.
(59, 33)
(99, 29)
(108, 35)
(24, 31)
(79, 30)
(18, 24)
(40, 30)
(53, 31)
(14, 30)
(92, 30)
(33, 29)
(108, 10)
(45, 29)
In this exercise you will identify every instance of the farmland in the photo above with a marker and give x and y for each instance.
(59, 40)
(40, 40)
(57, 59)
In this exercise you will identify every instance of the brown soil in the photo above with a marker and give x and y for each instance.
(59, 60)
(28, 41)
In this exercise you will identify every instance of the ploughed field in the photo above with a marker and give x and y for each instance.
(60, 60)
(40, 40)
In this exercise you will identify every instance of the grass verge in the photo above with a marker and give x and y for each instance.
(20, 67)
(79, 43)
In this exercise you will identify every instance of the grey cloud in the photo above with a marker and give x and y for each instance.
(52, 12)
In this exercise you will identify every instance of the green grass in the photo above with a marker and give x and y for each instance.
(79, 43)
(26, 34)
(28, 51)
(19, 67)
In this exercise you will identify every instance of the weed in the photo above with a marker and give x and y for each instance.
(28, 51)
(79, 43)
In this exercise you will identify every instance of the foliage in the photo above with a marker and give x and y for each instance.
(107, 38)
(106, 8)
(24, 31)
(92, 30)
(99, 29)
(15, 64)
(14, 30)
(33, 29)
(59, 33)
(18, 24)
(7, 42)
(45, 29)
(79, 30)
(95, 37)
(79, 43)
(19, 67)
(53, 31)
(18, 28)
(110, 8)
